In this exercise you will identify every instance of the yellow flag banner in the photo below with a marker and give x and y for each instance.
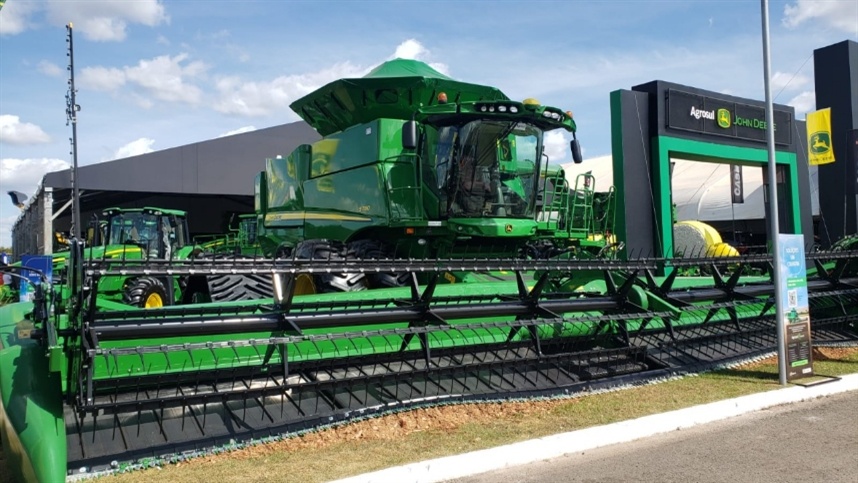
(819, 137)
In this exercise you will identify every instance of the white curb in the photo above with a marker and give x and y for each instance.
(458, 466)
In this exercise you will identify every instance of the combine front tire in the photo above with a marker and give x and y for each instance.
(376, 250)
(146, 293)
(329, 251)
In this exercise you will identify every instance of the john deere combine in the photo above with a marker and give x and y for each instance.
(92, 387)
(413, 164)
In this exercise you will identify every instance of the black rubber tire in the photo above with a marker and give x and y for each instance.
(326, 250)
(139, 290)
(377, 250)
(228, 288)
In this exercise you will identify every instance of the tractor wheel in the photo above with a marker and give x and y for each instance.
(146, 293)
(376, 250)
(326, 282)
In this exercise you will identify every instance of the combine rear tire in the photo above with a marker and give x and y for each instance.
(376, 250)
(146, 293)
(325, 250)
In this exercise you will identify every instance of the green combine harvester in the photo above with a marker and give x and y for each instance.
(413, 164)
(422, 253)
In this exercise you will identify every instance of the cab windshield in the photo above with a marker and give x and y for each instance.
(484, 169)
(132, 228)
(158, 235)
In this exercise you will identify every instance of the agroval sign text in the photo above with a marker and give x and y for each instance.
(717, 117)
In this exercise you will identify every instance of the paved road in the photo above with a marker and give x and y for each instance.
(808, 441)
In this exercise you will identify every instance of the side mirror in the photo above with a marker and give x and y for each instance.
(576, 151)
(409, 135)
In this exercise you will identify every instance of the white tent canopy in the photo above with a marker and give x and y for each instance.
(701, 191)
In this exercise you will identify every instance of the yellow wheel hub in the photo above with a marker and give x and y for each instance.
(153, 301)
(304, 284)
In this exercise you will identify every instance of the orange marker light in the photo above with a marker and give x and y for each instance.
(442, 98)
(409, 231)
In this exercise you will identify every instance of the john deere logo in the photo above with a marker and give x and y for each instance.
(820, 142)
(508, 228)
(724, 118)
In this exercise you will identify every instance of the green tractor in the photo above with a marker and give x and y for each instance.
(148, 233)
(413, 165)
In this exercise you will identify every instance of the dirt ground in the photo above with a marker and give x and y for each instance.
(396, 426)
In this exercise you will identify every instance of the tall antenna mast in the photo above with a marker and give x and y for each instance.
(71, 118)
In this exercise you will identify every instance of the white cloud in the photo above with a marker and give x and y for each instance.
(50, 69)
(106, 20)
(25, 175)
(414, 50)
(557, 146)
(101, 78)
(803, 103)
(13, 131)
(165, 78)
(135, 148)
(785, 81)
(15, 17)
(22, 175)
(840, 14)
(6, 223)
(238, 131)
(262, 98)
(410, 49)
(249, 98)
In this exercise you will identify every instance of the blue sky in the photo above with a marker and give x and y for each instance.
(154, 74)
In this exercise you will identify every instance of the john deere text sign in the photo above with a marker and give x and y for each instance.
(708, 115)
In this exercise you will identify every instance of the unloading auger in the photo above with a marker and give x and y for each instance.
(87, 388)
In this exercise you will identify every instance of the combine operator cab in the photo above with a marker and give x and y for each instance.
(484, 168)
(481, 163)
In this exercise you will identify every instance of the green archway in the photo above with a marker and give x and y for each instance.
(658, 121)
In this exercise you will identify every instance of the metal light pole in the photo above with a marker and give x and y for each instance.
(774, 229)
(71, 117)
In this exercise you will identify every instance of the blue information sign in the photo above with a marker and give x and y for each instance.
(44, 265)
(796, 311)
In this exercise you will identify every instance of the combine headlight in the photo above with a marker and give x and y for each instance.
(491, 108)
(501, 108)
(546, 114)
(513, 109)
(554, 115)
(483, 108)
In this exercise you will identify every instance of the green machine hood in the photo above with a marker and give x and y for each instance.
(394, 90)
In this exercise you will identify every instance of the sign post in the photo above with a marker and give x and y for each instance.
(774, 229)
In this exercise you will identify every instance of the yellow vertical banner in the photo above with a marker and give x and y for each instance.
(819, 137)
